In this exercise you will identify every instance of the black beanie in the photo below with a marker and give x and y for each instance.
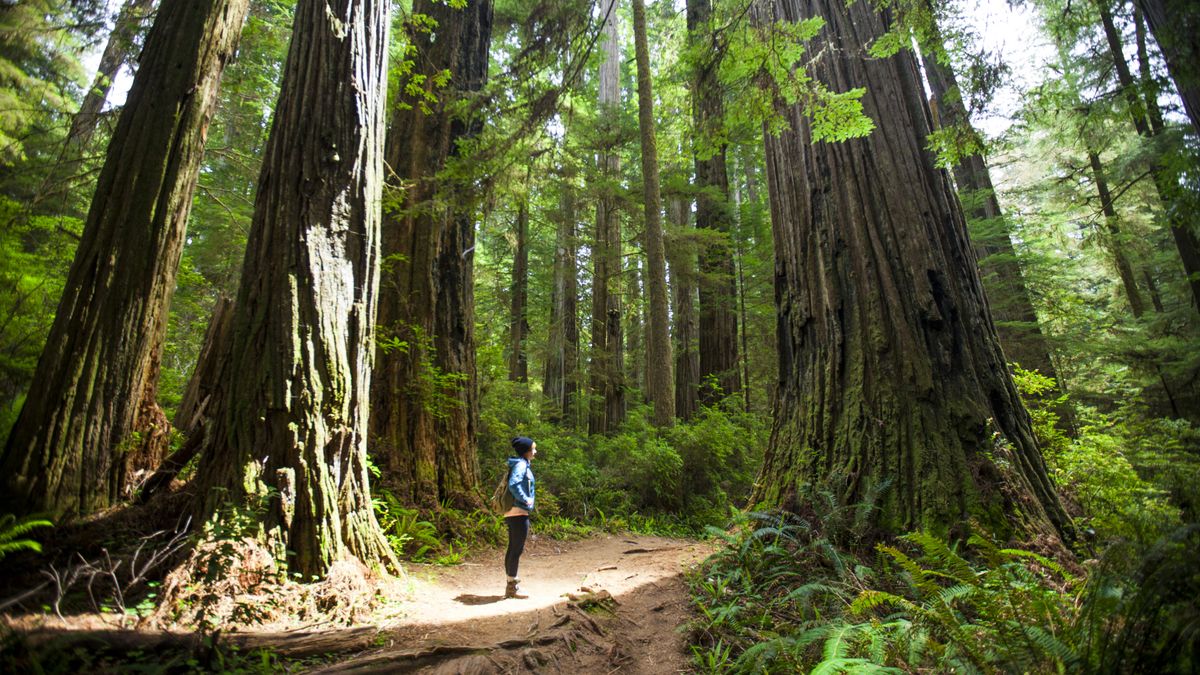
(522, 445)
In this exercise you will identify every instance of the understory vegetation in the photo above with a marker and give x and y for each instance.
(822, 592)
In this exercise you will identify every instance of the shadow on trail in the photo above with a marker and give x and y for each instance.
(469, 599)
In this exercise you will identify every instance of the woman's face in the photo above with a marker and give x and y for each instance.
(532, 451)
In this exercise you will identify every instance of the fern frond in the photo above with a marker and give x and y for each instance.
(937, 549)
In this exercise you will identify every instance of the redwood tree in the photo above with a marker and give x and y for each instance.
(423, 398)
(890, 368)
(659, 383)
(718, 310)
(607, 358)
(68, 452)
(562, 349)
(290, 425)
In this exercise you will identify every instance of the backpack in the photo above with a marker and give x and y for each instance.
(502, 498)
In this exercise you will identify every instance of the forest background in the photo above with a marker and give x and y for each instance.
(607, 270)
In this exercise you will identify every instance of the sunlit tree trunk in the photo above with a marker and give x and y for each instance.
(290, 426)
(71, 449)
(890, 368)
(424, 404)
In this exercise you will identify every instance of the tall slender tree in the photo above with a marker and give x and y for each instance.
(53, 194)
(562, 350)
(1147, 120)
(718, 303)
(890, 368)
(607, 358)
(290, 425)
(1176, 27)
(659, 380)
(518, 360)
(99, 370)
(424, 406)
(682, 259)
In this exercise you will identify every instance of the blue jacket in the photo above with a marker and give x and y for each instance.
(520, 482)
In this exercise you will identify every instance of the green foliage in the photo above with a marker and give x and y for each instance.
(410, 537)
(13, 531)
(1098, 467)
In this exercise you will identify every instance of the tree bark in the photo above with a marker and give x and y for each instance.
(683, 310)
(890, 368)
(718, 310)
(562, 358)
(518, 360)
(607, 358)
(1176, 27)
(659, 380)
(424, 403)
(66, 453)
(289, 430)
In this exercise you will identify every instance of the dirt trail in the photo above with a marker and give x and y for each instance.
(456, 619)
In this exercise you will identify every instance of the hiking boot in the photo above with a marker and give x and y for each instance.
(510, 590)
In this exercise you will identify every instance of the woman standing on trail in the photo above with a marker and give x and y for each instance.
(520, 485)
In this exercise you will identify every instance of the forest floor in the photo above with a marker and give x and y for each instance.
(601, 605)
(606, 604)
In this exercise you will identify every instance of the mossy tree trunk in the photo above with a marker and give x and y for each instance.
(289, 428)
(424, 406)
(890, 368)
(659, 381)
(69, 451)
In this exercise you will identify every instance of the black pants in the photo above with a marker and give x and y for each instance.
(518, 530)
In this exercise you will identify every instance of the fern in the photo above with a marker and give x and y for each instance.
(12, 530)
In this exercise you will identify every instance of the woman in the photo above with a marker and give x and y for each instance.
(520, 485)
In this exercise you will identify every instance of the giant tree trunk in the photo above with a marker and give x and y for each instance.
(607, 359)
(289, 429)
(659, 382)
(65, 454)
(1148, 123)
(562, 351)
(518, 360)
(424, 407)
(683, 311)
(890, 368)
(53, 196)
(1176, 27)
(718, 308)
